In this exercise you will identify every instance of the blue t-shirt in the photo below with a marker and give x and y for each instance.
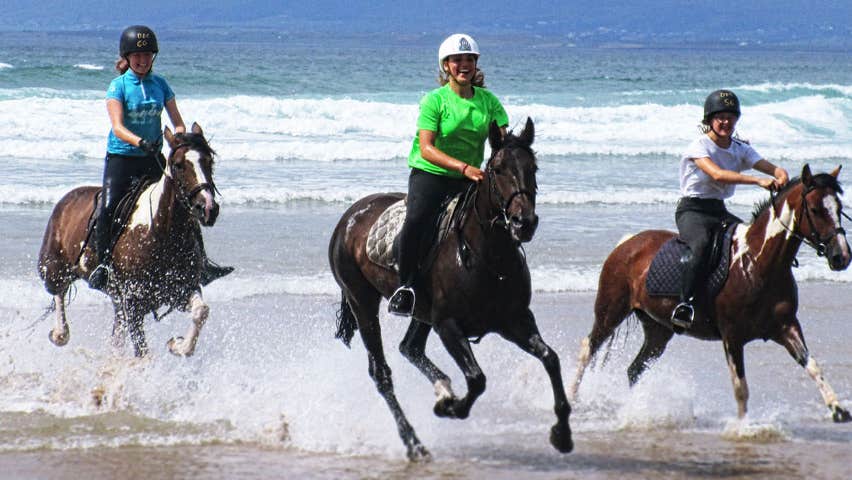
(143, 101)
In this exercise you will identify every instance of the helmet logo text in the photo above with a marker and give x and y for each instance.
(464, 45)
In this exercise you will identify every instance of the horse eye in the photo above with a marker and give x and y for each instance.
(179, 166)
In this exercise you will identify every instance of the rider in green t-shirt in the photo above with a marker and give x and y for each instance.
(446, 153)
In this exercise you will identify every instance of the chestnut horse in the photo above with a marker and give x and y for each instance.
(759, 299)
(477, 283)
(156, 260)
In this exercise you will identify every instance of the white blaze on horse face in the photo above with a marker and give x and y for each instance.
(193, 158)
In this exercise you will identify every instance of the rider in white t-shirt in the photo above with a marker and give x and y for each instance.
(709, 172)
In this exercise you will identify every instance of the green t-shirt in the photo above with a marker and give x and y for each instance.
(461, 125)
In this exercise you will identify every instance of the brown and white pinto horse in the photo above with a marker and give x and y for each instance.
(759, 299)
(157, 260)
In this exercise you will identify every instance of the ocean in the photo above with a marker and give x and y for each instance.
(303, 125)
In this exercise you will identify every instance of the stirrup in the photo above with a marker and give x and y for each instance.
(401, 302)
(683, 315)
(99, 278)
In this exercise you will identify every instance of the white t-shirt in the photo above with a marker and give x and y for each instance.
(695, 183)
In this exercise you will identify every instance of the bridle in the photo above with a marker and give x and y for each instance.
(500, 218)
(814, 240)
(185, 196)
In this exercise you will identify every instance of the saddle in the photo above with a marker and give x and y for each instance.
(666, 271)
(383, 235)
(122, 214)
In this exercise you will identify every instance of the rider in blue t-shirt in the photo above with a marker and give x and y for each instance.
(135, 102)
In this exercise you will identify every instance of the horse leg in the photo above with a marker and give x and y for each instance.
(524, 333)
(119, 325)
(458, 346)
(135, 324)
(736, 364)
(611, 308)
(656, 339)
(184, 347)
(793, 340)
(413, 347)
(366, 313)
(60, 333)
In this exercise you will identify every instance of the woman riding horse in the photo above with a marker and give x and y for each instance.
(135, 101)
(446, 154)
(709, 172)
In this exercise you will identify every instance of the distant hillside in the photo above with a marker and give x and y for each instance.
(762, 22)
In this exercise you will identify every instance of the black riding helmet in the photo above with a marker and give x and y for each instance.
(137, 38)
(718, 102)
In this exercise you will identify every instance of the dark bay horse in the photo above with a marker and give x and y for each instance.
(759, 300)
(156, 260)
(478, 283)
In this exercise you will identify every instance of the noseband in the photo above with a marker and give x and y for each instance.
(819, 244)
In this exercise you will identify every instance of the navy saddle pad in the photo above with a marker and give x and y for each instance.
(664, 276)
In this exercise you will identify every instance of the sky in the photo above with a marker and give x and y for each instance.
(827, 22)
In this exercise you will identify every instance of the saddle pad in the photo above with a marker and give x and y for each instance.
(383, 233)
(664, 276)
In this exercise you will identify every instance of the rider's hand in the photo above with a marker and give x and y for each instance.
(472, 173)
(766, 182)
(147, 146)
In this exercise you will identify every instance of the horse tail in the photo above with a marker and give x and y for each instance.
(346, 322)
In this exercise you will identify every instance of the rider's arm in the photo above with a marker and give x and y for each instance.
(769, 168)
(433, 154)
(722, 175)
(116, 118)
(174, 116)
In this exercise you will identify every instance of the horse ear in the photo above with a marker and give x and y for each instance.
(806, 175)
(170, 138)
(836, 171)
(528, 134)
(196, 128)
(495, 136)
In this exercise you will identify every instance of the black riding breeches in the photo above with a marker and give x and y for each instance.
(426, 193)
(698, 219)
(121, 172)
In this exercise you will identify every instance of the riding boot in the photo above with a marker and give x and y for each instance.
(100, 275)
(401, 303)
(684, 312)
(210, 270)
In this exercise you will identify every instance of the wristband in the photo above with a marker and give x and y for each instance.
(464, 168)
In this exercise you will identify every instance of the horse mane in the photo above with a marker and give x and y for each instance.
(820, 180)
(195, 141)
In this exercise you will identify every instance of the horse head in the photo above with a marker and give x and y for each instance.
(821, 211)
(510, 178)
(190, 165)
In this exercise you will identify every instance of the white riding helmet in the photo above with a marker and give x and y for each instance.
(456, 44)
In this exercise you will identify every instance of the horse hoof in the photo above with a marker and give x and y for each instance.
(61, 339)
(841, 415)
(560, 438)
(444, 407)
(177, 346)
(447, 407)
(419, 454)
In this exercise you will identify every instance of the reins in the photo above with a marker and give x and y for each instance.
(501, 217)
